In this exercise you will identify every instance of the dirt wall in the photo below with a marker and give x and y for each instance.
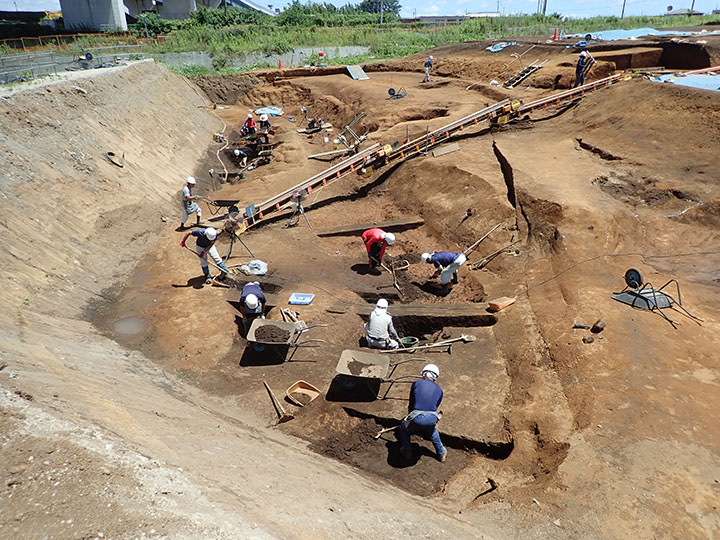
(67, 211)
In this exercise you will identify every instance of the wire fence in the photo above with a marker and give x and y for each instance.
(25, 66)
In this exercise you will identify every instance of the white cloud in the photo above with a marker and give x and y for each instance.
(462, 2)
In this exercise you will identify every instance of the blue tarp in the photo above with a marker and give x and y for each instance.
(612, 35)
(704, 81)
(272, 111)
(497, 47)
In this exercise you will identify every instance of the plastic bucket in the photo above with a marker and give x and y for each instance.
(409, 343)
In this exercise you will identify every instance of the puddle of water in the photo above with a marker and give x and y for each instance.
(129, 326)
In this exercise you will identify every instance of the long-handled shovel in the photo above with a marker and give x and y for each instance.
(465, 338)
(476, 244)
(283, 416)
(208, 260)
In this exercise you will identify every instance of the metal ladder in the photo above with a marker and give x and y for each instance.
(523, 74)
(367, 161)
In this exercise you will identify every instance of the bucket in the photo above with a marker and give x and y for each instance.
(409, 343)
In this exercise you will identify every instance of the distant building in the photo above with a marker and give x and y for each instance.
(450, 19)
(483, 15)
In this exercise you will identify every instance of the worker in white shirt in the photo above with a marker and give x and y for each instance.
(379, 330)
(189, 204)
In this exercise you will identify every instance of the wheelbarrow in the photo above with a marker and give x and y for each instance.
(294, 330)
(356, 365)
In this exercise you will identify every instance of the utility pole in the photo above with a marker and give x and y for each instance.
(623, 10)
(692, 8)
(381, 11)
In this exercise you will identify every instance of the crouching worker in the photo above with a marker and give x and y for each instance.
(425, 398)
(204, 246)
(376, 240)
(447, 266)
(252, 303)
(379, 330)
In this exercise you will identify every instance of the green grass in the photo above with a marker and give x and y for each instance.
(397, 40)
(390, 40)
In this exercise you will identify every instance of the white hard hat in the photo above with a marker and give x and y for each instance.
(236, 152)
(431, 370)
(584, 53)
(251, 301)
(190, 180)
(431, 57)
(382, 304)
(263, 117)
(389, 238)
(426, 257)
(249, 115)
(210, 233)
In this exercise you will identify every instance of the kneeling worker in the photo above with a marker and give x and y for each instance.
(448, 265)
(379, 330)
(376, 240)
(425, 398)
(252, 303)
(204, 245)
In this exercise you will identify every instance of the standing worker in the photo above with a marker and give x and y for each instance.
(428, 67)
(248, 128)
(189, 206)
(379, 330)
(204, 245)
(448, 265)
(425, 398)
(376, 240)
(265, 127)
(580, 69)
(252, 303)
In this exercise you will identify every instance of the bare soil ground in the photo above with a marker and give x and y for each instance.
(552, 430)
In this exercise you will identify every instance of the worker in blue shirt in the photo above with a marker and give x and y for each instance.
(428, 67)
(580, 69)
(204, 246)
(252, 303)
(447, 264)
(425, 398)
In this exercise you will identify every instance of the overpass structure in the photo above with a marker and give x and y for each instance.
(110, 14)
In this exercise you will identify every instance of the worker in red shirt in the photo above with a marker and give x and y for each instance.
(376, 240)
(249, 127)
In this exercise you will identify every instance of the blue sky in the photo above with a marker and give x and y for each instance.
(575, 8)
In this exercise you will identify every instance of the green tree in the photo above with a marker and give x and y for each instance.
(373, 6)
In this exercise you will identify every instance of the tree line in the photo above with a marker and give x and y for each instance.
(322, 14)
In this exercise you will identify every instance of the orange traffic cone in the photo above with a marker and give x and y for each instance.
(555, 36)
(280, 60)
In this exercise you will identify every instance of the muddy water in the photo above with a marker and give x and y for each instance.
(129, 326)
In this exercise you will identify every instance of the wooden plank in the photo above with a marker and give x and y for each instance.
(418, 310)
(397, 224)
(445, 149)
(501, 303)
(307, 131)
(333, 153)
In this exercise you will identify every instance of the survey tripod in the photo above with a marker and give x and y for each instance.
(297, 208)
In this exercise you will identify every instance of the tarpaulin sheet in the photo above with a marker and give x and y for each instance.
(703, 81)
(497, 47)
(612, 35)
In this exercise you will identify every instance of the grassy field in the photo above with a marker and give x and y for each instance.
(396, 40)
(389, 40)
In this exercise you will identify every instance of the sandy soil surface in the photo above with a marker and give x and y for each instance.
(128, 379)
